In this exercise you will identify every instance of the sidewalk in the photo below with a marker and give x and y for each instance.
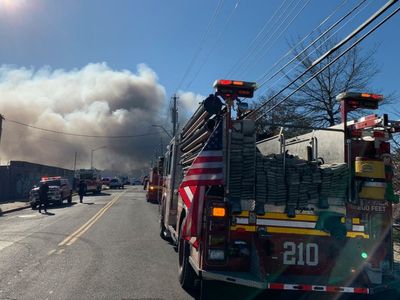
(13, 206)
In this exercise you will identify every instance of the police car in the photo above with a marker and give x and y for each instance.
(59, 190)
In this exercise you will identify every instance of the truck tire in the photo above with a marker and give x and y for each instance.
(163, 231)
(186, 274)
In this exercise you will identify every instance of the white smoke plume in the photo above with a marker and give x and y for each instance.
(188, 103)
(93, 100)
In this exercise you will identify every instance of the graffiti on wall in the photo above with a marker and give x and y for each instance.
(23, 184)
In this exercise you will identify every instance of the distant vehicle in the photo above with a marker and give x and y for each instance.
(125, 180)
(135, 181)
(116, 183)
(91, 177)
(154, 187)
(106, 181)
(59, 190)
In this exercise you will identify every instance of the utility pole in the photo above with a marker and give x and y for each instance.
(161, 146)
(76, 153)
(174, 113)
(1, 124)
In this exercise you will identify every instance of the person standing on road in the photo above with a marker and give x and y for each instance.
(145, 182)
(81, 190)
(43, 190)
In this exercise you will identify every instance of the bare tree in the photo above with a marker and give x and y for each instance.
(352, 72)
(270, 123)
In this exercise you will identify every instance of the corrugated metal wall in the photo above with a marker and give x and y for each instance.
(17, 179)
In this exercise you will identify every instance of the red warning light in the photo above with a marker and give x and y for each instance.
(224, 82)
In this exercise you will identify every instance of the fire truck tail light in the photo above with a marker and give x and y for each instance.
(218, 212)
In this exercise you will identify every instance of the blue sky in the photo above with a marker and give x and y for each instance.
(165, 35)
(105, 67)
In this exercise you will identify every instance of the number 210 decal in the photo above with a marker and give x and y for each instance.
(300, 254)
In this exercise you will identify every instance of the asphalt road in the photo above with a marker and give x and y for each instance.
(106, 248)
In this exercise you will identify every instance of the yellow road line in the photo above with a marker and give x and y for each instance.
(69, 240)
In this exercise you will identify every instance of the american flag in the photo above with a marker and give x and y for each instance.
(206, 169)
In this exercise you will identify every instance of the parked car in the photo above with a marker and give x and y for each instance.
(135, 181)
(59, 190)
(116, 183)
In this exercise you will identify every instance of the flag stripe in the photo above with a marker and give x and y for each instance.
(211, 153)
(207, 165)
(203, 177)
(204, 171)
(201, 159)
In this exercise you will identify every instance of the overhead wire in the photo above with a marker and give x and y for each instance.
(222, 31)
(201, 43)
(303, 39)
(335, 48)
(278, 24)
(262, 53)
(78, 134)
(253, 43)
(315, 41)
(285, 74)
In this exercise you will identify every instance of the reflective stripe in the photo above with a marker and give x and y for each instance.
(358, 228)
(295, 224)
(317, 288)
(244, 221)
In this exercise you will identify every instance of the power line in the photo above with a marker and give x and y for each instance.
(333, 61)
(267, 37)
(302, 40)
(314, 42)
(285, 74)
(252, 45)
(215, 44)
(330, 52)
(202, 40)
(81, 135)
(262, 53)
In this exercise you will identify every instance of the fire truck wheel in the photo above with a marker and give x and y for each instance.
(187, 276)
(163, 232)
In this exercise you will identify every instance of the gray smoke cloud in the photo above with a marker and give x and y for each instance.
(93, 100)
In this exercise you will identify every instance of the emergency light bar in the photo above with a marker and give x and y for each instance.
(229, 88)
(360, 100)
(50, 178)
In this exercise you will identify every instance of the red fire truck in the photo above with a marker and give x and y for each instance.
(311, 214)
(92, 180)
(154, 186)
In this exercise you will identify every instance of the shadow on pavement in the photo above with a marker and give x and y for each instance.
(47, 213)
(96, 195)
(88, 203)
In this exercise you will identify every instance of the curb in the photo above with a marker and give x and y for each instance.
(14, 209)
